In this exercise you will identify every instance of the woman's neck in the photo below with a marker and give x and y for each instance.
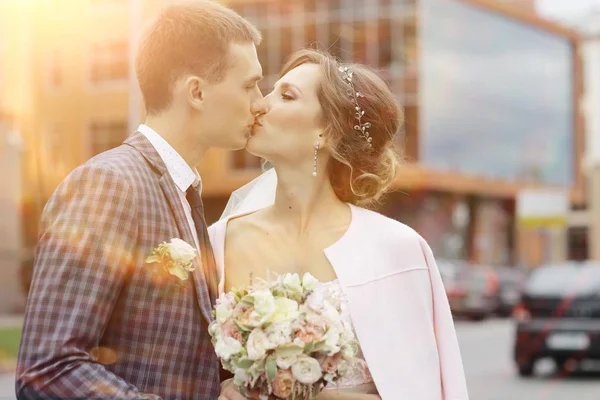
(304, 202)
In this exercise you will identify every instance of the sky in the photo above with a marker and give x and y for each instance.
(565, 8)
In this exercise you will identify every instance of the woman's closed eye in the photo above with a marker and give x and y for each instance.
(287, 96)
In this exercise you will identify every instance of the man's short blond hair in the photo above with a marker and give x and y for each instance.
(188, 37)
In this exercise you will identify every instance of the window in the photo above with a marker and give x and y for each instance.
(512, 92)
(108, 2)
(107, 135)
(578, 243)
(334, 5)
(287, 43)
(385, 43)
(335, 42)
(379, 33)
(310, 6)
(104, 6)
(241, 160)
(55, 72)
(263, 52)
(310, 35)
(54, 146)
(110, 62)
(360, 41)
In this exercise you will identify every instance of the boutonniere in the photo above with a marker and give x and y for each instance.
(175, 257)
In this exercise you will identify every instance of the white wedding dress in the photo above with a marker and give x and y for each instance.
(358, 378)
(415, 354)
(253, 196)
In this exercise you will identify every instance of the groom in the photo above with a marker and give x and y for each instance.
(100, 321)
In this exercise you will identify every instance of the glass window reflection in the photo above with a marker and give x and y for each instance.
(496, 96)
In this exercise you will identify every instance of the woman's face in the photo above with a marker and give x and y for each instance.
(291, 126)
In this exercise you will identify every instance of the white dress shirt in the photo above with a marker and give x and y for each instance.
(181, 173)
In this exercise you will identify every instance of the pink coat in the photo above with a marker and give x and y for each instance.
(398, 307)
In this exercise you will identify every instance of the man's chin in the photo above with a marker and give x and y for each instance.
(241, 144)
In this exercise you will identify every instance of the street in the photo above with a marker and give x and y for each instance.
(7, 387)
(486, 349)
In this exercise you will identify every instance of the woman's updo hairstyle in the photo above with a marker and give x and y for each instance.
(361, 118)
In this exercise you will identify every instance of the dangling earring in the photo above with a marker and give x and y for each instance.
(314, 173)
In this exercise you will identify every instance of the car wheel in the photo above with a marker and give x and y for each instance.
(525, 368)
(565, 365)
(560, 363)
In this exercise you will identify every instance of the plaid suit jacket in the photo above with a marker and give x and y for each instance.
(97, 324)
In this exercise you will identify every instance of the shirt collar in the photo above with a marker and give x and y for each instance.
(181, 173)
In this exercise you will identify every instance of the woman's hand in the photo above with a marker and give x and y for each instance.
(229, 391)
(340, 394)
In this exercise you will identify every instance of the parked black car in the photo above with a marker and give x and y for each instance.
(558, 316)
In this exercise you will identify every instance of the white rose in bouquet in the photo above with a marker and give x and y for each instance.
(258, 344)
(307, 370)
(227, 347)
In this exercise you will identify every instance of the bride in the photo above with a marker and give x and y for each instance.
(328, 130)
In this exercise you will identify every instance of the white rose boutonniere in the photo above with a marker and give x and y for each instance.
(175, 257)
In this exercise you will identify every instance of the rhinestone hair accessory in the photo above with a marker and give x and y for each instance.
(362, 128)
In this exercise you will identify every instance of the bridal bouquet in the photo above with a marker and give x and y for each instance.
(282, 338)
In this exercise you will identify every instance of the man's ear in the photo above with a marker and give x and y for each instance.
(194, 87)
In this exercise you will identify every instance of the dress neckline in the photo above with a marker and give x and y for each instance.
(220, 251)
(226, 220)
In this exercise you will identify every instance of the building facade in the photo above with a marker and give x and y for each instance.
(459, 184)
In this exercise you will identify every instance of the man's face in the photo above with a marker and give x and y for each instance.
(227, 118)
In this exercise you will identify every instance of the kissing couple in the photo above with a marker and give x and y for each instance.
(98, 322)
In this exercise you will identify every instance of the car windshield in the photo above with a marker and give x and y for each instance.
(565, 281)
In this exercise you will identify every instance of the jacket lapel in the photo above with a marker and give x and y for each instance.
(170, 191)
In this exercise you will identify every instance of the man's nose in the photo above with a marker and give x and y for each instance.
(259, 107)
